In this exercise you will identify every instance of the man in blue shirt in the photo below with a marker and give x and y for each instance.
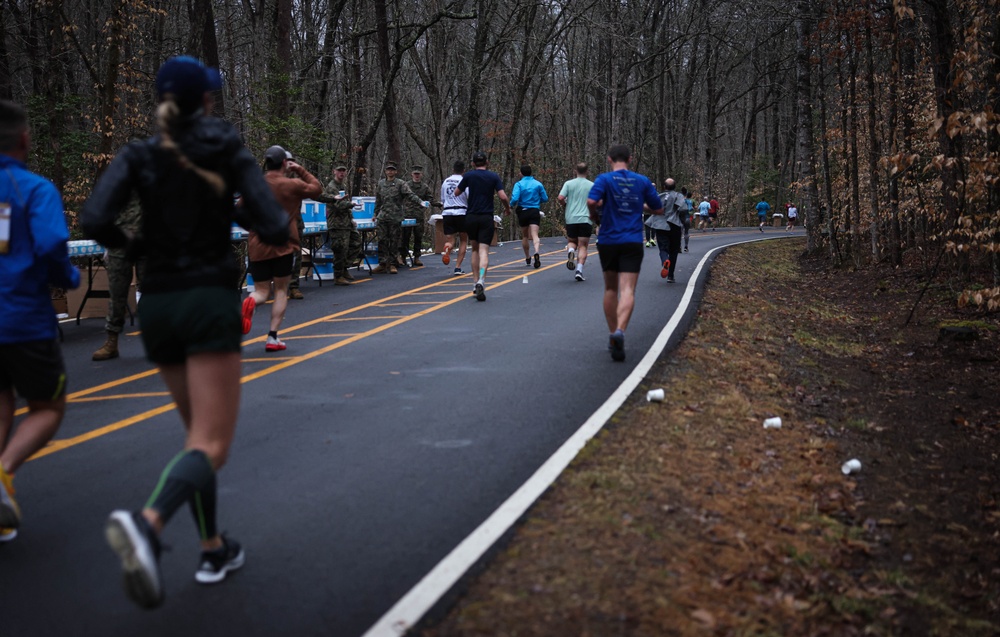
(529, 193)
(615, 202)
(481, 183)
(762, 209)
(33, 256)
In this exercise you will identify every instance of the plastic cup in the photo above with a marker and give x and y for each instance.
(343, 193)
(655, 395)
(851, 466)
(772, 423)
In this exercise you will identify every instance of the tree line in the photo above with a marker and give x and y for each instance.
(877, 118)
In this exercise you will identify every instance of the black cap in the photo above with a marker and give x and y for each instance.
(274, 157)
(479, 158)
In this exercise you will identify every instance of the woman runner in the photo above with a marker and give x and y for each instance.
(185, 178)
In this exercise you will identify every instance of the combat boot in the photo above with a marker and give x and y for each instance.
(380, 269)
(109, 350)
(393, 270)
(296, 294)
(340, 280)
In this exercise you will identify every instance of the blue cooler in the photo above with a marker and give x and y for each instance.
(323, 265)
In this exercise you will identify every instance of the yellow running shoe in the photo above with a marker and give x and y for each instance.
(10, 513)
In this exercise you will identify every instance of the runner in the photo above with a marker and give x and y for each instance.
(616, 203)
(687, 217)
(453, 217)
(573, 195)
(33, 255)
(793, 215)
(271, 266)
(189, 313)
(481, 183)
(527, 196)
(704, 210)
(669, 226)
(763, 208)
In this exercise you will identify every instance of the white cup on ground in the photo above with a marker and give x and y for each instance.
(655, 395)
(851, 466)
(772, 423)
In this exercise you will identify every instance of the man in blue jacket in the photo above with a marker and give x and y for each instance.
(33, 256)
(529, 194)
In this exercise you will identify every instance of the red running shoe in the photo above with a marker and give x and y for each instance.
(249, 307)
(666, 269)
(274, 345)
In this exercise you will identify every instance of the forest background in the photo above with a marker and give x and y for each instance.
(877, 118)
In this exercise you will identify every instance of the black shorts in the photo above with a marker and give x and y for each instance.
(480, 228)
(624, 257)
(577, 230)
(529, 217)
(452, 224)
(34, 369)
(178, 324)
(272, 268)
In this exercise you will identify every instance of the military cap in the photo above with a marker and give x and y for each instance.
(417, 169)
(390, 165)
(341, 167)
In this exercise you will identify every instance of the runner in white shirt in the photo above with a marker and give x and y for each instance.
(453, 214)
(793, 214)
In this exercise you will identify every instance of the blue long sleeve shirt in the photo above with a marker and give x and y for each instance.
(37, 256)
(528, 193)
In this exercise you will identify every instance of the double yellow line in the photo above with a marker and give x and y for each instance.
(66, 443)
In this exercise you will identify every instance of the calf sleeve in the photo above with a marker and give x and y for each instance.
(188, 477)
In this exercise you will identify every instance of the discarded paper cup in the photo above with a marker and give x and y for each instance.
(524, 280)
(772, 423)
(655, 395)
(851, 466)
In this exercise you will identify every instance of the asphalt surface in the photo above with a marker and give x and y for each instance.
(402, 414)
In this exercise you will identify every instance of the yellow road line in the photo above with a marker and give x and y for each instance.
(91, 399)
(59, 445)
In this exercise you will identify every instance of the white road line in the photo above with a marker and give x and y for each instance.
(422, 597)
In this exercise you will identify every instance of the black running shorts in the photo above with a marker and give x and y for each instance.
(625, 257)
(34, 369)
(480, 228)
(577, 230)
(452, 224)
(528, 217)
(178, 324)
(272, 268)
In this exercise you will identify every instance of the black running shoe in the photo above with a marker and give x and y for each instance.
(215, 564)
(538, 261)
(135, 542)
(617, 346)
(480, 292)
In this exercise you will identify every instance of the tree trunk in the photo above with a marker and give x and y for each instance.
(808, 194)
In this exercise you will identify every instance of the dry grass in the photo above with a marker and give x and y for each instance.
(688, 518)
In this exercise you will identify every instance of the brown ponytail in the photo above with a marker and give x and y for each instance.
(166, 114)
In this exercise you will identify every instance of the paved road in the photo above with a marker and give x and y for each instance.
(402, 414)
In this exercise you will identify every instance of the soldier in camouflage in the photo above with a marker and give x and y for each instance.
(345, 240)
(120, 268)
(421, 189)
(390, 195)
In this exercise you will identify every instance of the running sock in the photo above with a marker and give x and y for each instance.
(273, 334)
(189, 474)
(482, 274)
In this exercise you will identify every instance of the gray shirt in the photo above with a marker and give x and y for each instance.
(673, 201)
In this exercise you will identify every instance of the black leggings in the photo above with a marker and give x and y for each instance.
(668, 242)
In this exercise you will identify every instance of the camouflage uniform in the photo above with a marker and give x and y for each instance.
(389, 199)
(120, 268)
(345, 240)
(423, 190)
